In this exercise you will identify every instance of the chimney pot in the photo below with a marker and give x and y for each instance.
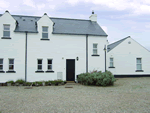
(7, 11)
(92, 11)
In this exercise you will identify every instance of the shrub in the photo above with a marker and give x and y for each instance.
(39, 83)
(11, 81)
(20, 81)
(28, 83)
(97, 78)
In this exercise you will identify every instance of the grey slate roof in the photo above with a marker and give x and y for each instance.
(62, 26)
(113, 45)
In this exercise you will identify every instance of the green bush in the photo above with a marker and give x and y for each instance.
(11, 81)
(28, 83)
(53, 82)
(20, 81)
(97, 78)
(39, 83)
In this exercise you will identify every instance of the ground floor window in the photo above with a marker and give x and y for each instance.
(111, 62)
(11, 64)
(39, 64)
(49, 64)
(139, 63)
(1, 64)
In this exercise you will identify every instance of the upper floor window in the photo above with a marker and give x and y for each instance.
(139, 63)
(11, 64)
(95, 49)
(49, 64)
(111, 62)
(39, 65)
(6, 31)
(44, 32)
(1, 64)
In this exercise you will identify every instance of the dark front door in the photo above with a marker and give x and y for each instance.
(70, 69)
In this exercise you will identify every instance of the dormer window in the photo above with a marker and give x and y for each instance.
(45, 32)
(6, 31)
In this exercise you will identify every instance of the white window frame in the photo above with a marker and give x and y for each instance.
(6, 30)
(49, 64)
(39, 64)
(95, 48)
(1, 64)
(44, 32)
(11, 64)
(138, 64)
(111, 62)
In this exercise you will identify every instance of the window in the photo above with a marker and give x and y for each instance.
(39, 66)
(1, 64)
(139, 64)
(111, 62)
(94, 49)
(6, 32)
(49, 64)
(11, 64)
(44, 32)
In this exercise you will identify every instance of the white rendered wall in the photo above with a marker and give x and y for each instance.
(125, 58)
(58, 47)
(12, 48)
(96, 62)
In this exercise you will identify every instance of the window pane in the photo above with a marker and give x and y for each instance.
(111, 59)
(49, 61)
(45, 29)
(49, 67)
(111, 64)
(6, 27)
(1, 67)
(44, 35)
(11, 61)
(6, 33)
(94, 45)
(39, 61)
(95, 51)
(138, 60)
(1, 61)
(11, 67)
(39, 67)
(139, 67)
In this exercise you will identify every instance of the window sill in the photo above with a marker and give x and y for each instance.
(49, 71)
(10, 71)
(39, 71)
(45, 39)
(139, 71)
(2, 71)
(5, 38)
(111, 67)
(95, 55)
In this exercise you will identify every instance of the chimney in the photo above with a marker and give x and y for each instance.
(93, 17)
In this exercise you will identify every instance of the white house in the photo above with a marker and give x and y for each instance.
(127, 58)
(46, 48)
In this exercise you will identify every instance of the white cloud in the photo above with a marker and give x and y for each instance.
(29, 3)
(40, 6)
(4, 4)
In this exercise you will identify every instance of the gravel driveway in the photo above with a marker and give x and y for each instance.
(129, 95)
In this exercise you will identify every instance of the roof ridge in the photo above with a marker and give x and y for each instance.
(50, 17)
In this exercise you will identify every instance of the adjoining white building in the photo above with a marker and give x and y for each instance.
(46, 48)
(127, 58)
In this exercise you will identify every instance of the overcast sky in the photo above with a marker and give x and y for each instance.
(118, 18)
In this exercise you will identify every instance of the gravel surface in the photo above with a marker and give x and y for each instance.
(128, 95)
